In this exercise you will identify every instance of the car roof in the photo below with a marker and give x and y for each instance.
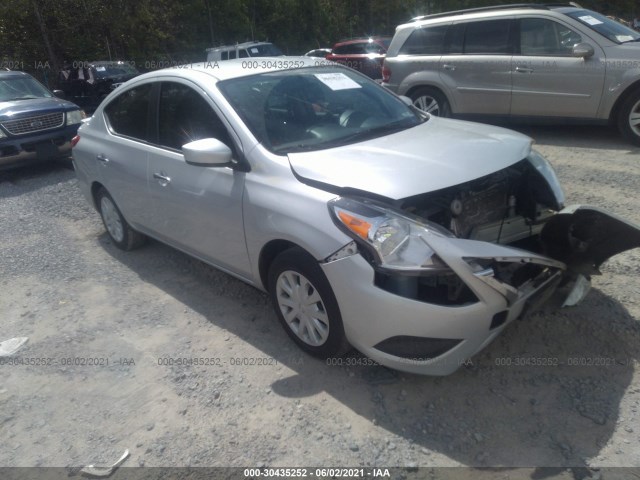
(237, 45)
(13, 74)
(108, 62)
(494, 11)
(374, 38)
(242, 67)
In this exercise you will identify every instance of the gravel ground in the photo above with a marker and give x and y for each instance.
(103, 324)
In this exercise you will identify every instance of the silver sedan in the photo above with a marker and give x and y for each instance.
(371, 224)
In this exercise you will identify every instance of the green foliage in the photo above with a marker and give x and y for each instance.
(40, 34)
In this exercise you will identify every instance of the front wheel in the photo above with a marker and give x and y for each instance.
(121, 233)
(305, 304)
(629, 118)
(432, 101)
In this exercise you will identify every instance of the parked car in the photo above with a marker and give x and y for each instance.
(555, 63)
(88, 83)
(35, 125)
(243, 50)
(413, 238)
(362, 54)
(318, 52)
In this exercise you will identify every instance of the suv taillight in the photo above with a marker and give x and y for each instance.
(386, 73)
(75, 140)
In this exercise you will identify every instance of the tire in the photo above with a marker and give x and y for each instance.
(629, 118)
(432, 101)
(122, 235)
(305, 304)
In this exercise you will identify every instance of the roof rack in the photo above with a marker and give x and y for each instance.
(538, 6)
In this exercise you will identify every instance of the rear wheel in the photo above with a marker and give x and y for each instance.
(629, 118)
(432, 101)
(121, 233)
(305, 304)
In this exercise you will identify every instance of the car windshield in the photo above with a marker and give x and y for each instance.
(614, 31)
(315, 108)
(115, 70)
(21, 88)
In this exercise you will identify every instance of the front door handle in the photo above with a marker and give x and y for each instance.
(448, 66)
(524, 70)
(162, 178)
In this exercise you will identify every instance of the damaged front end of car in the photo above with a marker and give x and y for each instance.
(507, 231)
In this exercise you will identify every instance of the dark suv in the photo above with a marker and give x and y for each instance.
(35, 125)
(88, 83)
(363, 54)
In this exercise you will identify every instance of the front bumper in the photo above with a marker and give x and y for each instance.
(372, 317)
(579, 238)
(16, 151)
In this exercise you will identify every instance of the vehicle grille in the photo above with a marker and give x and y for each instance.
(34, 124)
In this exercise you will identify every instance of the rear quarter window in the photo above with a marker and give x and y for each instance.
(425, 41)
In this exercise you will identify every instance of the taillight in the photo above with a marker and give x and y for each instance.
(386, 73)
(75, 140)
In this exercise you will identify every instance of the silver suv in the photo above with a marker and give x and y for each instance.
(530, 61)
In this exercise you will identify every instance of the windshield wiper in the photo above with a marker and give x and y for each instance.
(347, 139)
(373, 132)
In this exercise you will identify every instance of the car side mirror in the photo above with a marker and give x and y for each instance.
(207, 152)
(59, 94)
(406, 100)
(583, 50)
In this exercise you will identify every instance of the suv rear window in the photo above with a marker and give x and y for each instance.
(425, 41)
(487, 37)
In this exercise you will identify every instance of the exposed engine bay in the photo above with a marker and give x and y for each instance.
(503, 207)
(514, 234)
(510, 206)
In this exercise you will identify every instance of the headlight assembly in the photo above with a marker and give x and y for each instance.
(75, 116)
(397, 242)
(547, 172)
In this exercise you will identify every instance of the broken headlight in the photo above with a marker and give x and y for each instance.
(544, 168)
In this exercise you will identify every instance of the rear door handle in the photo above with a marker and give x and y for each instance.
(524, 70)
(102, 159)
(448, 66)
(162, 178)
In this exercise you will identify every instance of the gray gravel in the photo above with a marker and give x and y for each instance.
(77, 298)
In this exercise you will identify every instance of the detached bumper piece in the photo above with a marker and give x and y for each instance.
(584, 237)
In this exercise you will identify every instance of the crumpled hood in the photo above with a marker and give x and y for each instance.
(438, 154)
(34, 106)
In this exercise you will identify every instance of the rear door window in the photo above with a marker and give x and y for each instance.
(488, 37)
(128, 113)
